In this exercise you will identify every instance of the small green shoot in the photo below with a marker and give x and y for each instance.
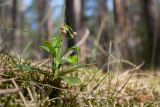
(54, 48)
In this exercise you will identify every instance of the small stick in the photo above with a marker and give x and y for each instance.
(8, 91)
(20, 93)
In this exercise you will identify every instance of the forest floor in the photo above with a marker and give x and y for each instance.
(31, 85)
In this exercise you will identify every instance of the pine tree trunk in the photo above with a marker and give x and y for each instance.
(102, 56)
(69, 20)
(149, 17)
(80, 29)
(11, 37)
(45, 24)
(74, 18)
(123, 27)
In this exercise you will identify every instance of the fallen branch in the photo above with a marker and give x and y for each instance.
(8, 91)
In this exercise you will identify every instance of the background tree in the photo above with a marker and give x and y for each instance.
(74, 18)
(122, 28)
(2, 38)
(157, 39)
(79, 27)
(11, 37)
(132, 24)
(45, 23)
(148, 15)
(6, 19)
(20, 25)
(102, 56)
(69, 20)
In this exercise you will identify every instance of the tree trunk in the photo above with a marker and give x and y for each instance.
(151, 41)
(14, 14)
(80, 29)
(2, 38)
(21, 24)
(123, 28)
(157, 53)
(11, 37)
(50, 23)
(74, 18)
(69, 20)
(45, 23)
(102, 56)
(120, 14)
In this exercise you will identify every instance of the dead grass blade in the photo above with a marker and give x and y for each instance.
(132, 71)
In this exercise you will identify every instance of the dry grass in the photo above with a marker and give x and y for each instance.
(142, 89)
(131, 88)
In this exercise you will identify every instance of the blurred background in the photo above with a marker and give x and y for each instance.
(123, 29)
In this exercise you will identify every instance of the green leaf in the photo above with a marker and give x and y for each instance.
(48, 47)
(72, 80)
(75, 48)
(73, 59)
(25, 67)
(70, 70)
(45, 48)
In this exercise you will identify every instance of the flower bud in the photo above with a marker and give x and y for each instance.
(74, 33)
(61, 28)
(63, 32)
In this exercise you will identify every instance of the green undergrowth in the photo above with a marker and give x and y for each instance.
(63, 81)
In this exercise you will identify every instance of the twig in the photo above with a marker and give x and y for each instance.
(8, 91)
(57, 98)
(30, 94)
(4, 80)
(84, 38)
(20, 93)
